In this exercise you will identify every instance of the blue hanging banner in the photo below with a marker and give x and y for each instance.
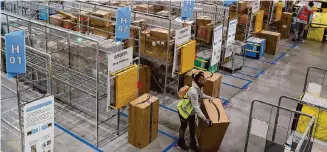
(187, 9)
(15, 53)
(123, 23)
(229, 2)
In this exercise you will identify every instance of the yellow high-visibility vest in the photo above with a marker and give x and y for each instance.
(185, 107)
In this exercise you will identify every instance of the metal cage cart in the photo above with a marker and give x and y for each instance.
(79, 67)
(261, 134)
(312, 107)
(237, 59)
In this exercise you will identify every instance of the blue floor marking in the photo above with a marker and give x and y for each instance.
(231, 85)
(170, 146)
(253, 68)
(246, 85)
(245, 74)
(260, 73)
(77, 137)
(170, 109)
(279, 57)
(234, 76)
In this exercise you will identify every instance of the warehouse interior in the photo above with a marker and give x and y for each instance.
(116, 86)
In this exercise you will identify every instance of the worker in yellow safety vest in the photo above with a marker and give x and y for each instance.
(188, 107)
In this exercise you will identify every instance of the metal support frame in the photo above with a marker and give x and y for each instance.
(308, 131)
(68, 75)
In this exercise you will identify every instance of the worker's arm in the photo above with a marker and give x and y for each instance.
(194, 97)
(204, 96)
(310, 18)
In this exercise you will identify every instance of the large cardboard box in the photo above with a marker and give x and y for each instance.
(285, 25)
(272, 40)
(57, 19)
(103, 31)
(210, 138)
(143, 121)
(242, 6)
(144, 34)
(160, 33)
(203, 20)
(212, 84)
(145, 78)
(101, 14)
(204, 33)
(69, 24)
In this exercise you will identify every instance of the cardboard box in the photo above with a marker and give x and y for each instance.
(144, 34)
(144, 8)
(232, 13)
(242, 6)
(101, 14)
(203, 20)
(103, 31)
(83, 18)
(158, 8)
(272, 39)
(145, 78)
(161, 34)
(164, 13)
(69, 24)
(67, 15)
(210, 138)
(285, 25)
(212, 84)
(157, 49)
(57, 19)
(140, 23)
(204, 33)
(143, 121)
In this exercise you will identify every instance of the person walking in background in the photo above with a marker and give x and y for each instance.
(187, 107)
(303, 18)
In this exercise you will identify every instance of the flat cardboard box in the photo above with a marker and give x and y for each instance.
(203, 20)
(145, 78)
(69, 24)
(67, 15)
(83, 18)
(160, 33)
(145, 8)
(212, 84)
(143, 121)
(210, 138)
(272, 40)
(57, 19)
(101, 14)
(103, 31)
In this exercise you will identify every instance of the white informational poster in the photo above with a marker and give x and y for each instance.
(216, 45)
(255, 4)
(181, 36)
(118, 61)
(39, 125)
(230, 37)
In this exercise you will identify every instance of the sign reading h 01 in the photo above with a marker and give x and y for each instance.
(15, 52)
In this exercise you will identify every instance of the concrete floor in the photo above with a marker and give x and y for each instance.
(266, 79)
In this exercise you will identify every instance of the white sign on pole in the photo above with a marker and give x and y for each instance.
(181, 36)
(39, 125)
(118, 61)
(255, 6)
(230, 37)
(216, 46)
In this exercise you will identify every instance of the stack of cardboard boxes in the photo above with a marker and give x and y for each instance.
(101, 27)
(243, 19)
(285, 25)
(154, 43)
(204, 29)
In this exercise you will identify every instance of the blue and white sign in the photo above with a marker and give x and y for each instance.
(39, 125)
(123, 23)
(187, 9)
(15, 52)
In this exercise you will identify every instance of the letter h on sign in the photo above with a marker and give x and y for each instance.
(15, 52)
(123, 23)
(187, 9)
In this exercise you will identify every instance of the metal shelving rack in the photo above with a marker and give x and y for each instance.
(79, 66)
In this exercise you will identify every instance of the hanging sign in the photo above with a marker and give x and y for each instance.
(120, 59)
(181, 36)
(230, 37)
(39, 125)
(216, 46)
(123, 23)
(187, 9)
(15, 53)
(255, 4)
